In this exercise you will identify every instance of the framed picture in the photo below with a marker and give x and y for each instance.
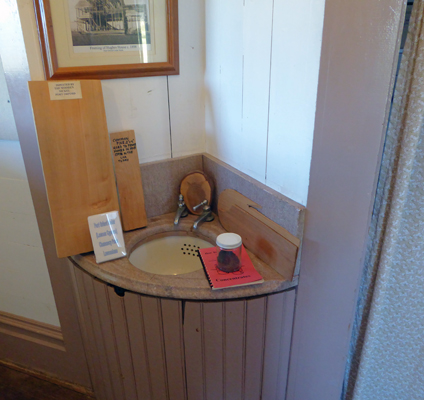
(106, 39)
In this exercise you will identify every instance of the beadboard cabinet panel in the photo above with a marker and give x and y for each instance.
(174, 348)
(255, 343)
(193, 335)
(107, 335)
(147, 348)
(234, 329)
(96, 355)
(238, 349)
(137, 338)
(155, 346)
(279, 320)
(213, 349)
(123, 346)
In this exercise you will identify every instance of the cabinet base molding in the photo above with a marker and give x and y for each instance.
(47, 378)
(31, 330)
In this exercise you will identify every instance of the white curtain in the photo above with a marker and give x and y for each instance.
(386, 360)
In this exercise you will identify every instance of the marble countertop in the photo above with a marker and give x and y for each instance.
(190, 286)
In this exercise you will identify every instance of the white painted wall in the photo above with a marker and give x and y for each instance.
(166, 113)
(25, 287)
(7, 123)
(262, 63)
(245, 94)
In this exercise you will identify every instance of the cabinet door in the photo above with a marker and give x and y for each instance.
(134, 343)
(238, 349)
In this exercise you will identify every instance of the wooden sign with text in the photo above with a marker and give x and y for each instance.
(128, 179)
(74, 147)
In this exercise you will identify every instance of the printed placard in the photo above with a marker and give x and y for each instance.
(65, 90)
(106, 235)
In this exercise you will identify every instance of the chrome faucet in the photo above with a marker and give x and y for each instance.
(206, 216)
(181, 210)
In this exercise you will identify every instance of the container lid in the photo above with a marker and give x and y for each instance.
(228, 241)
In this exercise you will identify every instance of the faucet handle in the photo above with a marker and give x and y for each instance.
(203, 203)
(181, 200)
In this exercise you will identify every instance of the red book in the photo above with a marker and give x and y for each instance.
(246, 275)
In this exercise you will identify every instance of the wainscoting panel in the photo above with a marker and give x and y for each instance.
(137, 337)
(94, 344)
(174, 348)
(279, 320)
(194, 360)
(123, 346)
(147, 348)
(255, 344)
(238, 349)
(234, 349)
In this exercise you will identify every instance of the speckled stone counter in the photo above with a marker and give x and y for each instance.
(190, 286)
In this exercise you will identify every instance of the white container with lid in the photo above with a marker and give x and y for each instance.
(229, 252)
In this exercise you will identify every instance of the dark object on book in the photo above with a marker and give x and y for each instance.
(246, 275)
(228, 261)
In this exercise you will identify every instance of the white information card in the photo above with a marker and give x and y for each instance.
(107, 237)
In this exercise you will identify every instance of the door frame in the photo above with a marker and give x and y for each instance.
(360, 48)
(67, 361)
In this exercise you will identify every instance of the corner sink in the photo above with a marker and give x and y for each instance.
(169, 255)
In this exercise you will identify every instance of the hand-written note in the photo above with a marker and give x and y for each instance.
(123, 148)
(128, 179)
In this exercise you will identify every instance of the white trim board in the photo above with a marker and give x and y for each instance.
(31, 330)
(356, 78)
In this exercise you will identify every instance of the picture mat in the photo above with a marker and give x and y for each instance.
(67, 57)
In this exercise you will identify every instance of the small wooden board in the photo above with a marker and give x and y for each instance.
(77, 164)
(267, 240)
(128, 179)
(196, 187)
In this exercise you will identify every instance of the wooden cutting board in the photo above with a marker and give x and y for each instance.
(128, 180)
(77, 162)
(273, 244)
(196, 187)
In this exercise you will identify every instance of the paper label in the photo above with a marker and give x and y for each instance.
(65, 90)
(106, 235)
(124, 147)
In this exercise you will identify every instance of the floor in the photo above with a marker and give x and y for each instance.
(16, 385)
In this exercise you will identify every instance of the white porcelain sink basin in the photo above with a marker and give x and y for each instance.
(169, 255)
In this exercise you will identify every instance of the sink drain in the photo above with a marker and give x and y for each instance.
(169, 255)
(190, 250)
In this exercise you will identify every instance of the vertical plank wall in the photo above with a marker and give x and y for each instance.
(262, 62)
(246, 92)
(166, 113)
